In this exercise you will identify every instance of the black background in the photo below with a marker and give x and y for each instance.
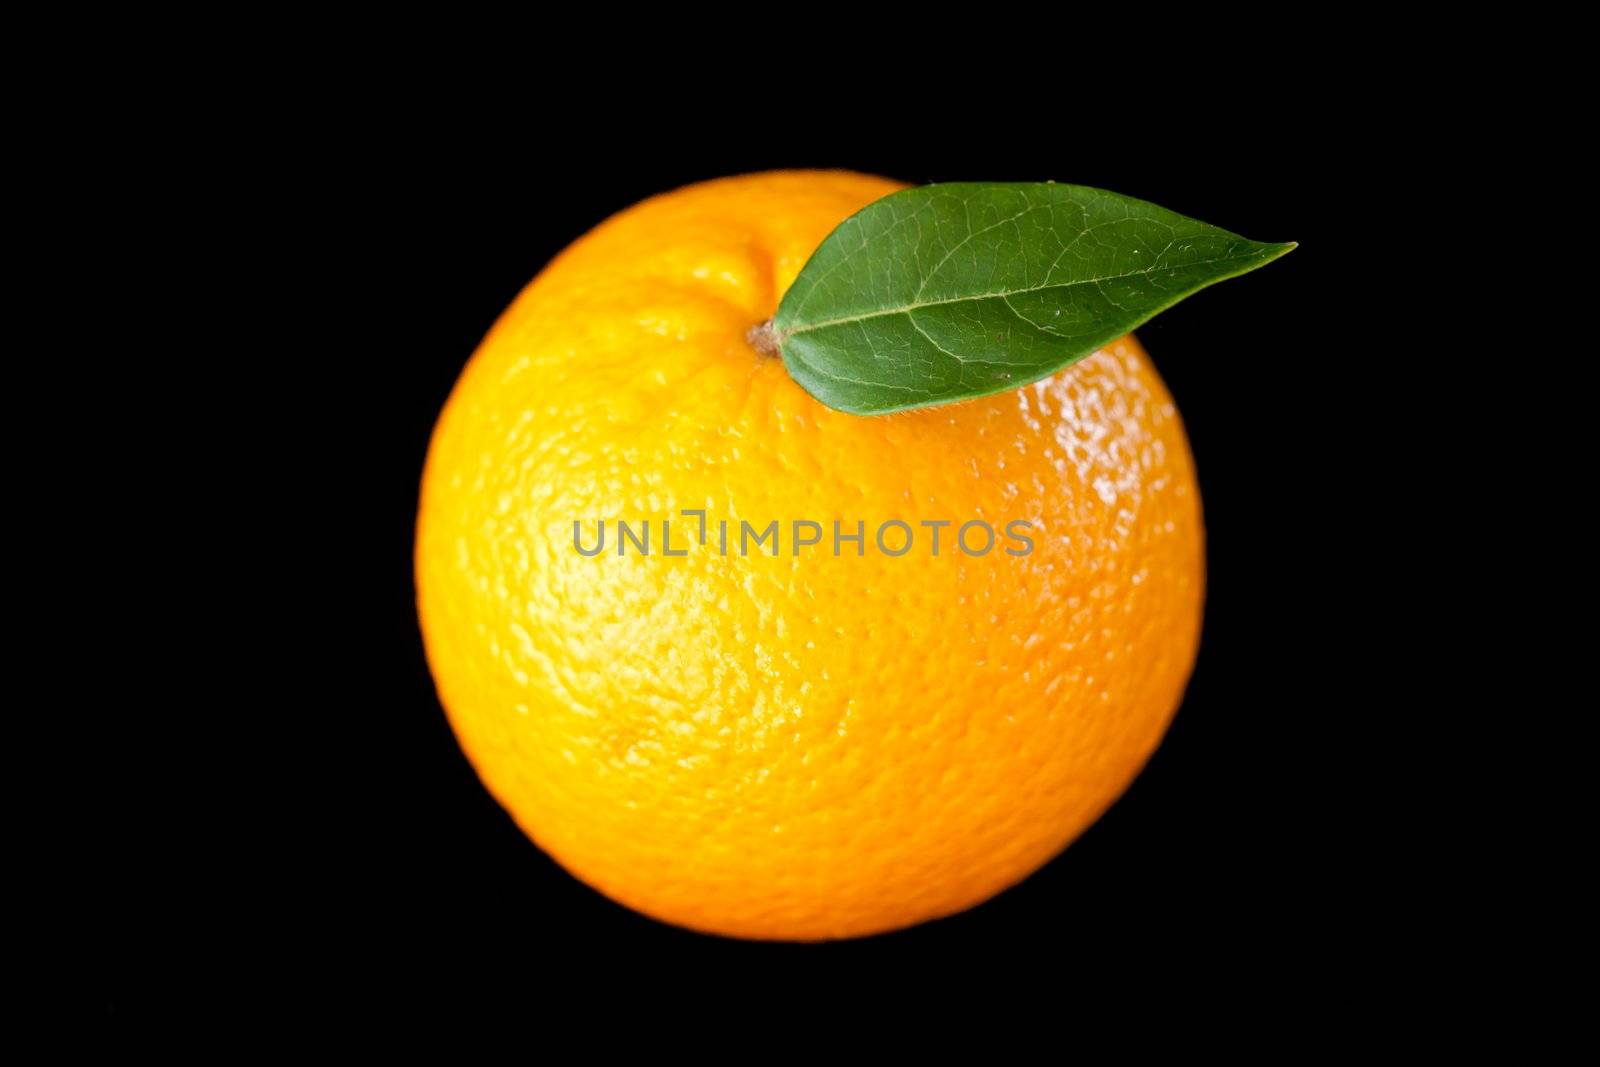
(386, 851)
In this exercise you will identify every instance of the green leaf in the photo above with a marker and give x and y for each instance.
(947, 292)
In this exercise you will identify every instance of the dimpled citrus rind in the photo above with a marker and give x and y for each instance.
(802, 746)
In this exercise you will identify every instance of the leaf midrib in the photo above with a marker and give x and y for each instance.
(917, 306)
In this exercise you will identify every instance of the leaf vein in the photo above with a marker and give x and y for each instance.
(908, 308)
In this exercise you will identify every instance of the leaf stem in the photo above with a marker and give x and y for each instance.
(764, 339)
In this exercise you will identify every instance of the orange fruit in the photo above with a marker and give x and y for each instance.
(792, 746)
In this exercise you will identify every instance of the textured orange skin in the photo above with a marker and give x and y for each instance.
(795, 747)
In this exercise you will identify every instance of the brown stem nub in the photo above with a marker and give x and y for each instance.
(764, 339)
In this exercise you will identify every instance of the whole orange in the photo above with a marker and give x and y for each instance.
(802, 745)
